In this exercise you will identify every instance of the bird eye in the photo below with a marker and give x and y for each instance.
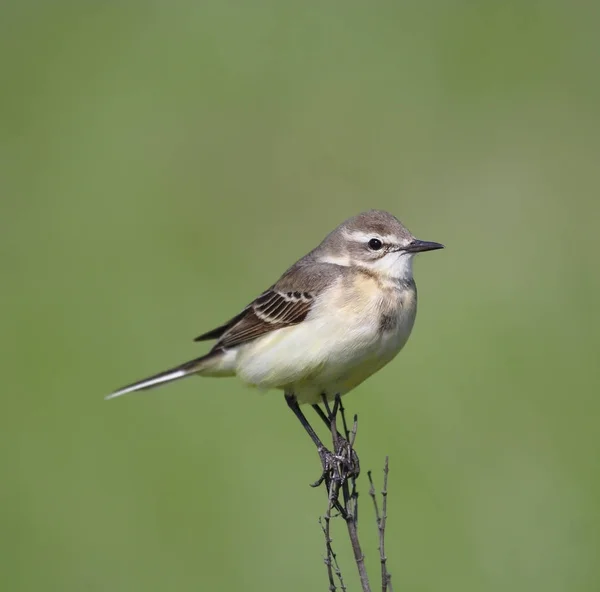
(375, 244)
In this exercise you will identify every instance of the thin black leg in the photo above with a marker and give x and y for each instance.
(322, 415)
(293, 405)
(325, 419)
(327, 458)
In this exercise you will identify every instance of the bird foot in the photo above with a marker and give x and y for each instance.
(338, 466)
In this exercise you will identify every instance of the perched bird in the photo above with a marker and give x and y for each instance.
(334, 318)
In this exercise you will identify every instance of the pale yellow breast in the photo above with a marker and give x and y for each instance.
(353, 330)
(395, 310)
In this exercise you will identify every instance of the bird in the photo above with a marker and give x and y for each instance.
(333, 319)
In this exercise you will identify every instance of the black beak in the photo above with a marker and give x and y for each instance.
(417, 246)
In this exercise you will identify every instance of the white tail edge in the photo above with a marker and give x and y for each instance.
(147, 383)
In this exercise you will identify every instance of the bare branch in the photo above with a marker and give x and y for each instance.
(374, 497)
(358, 555)
(341, 468)
(343, 414)
(386, 577)
(331, 559)
(351, 469)
(324, 522)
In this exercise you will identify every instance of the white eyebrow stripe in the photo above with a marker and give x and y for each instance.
(363, 237)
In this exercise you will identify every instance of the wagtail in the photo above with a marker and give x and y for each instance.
(333, 319)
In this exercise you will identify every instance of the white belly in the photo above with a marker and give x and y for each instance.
(330, 352)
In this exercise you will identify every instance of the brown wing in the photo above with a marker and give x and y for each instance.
(218, 332)
(270, 311)
(286, 303)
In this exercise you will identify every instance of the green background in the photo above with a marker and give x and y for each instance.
(162, 163)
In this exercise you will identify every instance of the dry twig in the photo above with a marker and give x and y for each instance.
(331, 559)
(386, 577)
(341, 468)
(341, 477)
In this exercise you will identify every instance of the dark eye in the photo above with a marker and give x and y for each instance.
(375, 244)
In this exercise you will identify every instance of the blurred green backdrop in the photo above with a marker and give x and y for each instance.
(161, 163)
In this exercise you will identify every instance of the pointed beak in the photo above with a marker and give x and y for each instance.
(418, 246)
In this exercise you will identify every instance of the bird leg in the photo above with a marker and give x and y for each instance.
(329, 460)
(341, 443)
(293, 405)
(324, 416)
(347, 467)
(327, 420)
(343, 446)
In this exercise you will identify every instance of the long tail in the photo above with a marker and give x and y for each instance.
(181, 371)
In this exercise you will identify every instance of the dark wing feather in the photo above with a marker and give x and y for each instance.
(284, 304)
(272, 310)
(218, 332)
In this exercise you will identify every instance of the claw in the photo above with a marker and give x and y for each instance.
(326, 463)
(320, 480)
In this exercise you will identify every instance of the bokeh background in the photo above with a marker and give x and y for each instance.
(160, 165)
